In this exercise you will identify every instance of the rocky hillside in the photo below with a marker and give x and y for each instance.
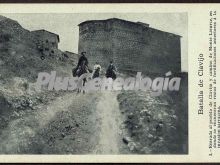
(19, 56)
(156, 125)
(20, 63)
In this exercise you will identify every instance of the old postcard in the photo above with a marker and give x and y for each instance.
(109, 83)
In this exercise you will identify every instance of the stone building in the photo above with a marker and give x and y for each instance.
(132, 46)
(47, 43)
(49, 39)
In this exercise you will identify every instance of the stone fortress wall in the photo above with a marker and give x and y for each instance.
(132, 46)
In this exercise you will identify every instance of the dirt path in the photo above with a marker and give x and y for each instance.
(71, 124)
(110, 134)
(17, 134)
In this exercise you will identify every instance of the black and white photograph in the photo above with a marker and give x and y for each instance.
(94, 83)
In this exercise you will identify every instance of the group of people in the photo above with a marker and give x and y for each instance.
(82, 67)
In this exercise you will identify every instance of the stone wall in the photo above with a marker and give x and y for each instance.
(132, 46)
(95, 39)
(47, 38)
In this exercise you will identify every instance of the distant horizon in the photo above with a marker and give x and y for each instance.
(66, 26)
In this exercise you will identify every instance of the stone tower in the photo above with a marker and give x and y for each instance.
(132, 46)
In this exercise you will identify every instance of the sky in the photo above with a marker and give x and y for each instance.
(66, 26)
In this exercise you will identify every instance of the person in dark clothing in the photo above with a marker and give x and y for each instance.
(81, 59)
(80, 62)
(111, 71)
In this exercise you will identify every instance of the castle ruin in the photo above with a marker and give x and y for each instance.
(49, 38)
(132, 46)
